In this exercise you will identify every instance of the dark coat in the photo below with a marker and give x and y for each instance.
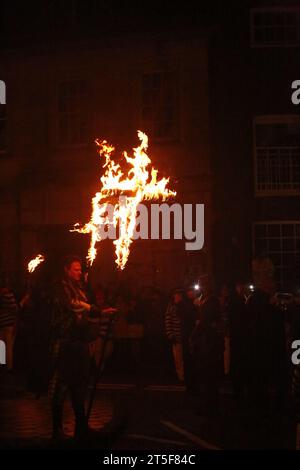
(237, 313)
(266, 339)
(207, 339)
(71, 333)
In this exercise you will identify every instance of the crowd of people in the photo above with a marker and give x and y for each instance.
(56, 331)
(240, 334)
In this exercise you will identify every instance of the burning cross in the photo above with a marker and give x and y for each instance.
(138, 183)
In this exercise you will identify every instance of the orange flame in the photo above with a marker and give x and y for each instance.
(137, 182)
(35, 262)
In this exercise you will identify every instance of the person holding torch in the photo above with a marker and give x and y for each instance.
(72, 329)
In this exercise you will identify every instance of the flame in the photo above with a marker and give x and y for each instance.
(138, 183)
(35, 262)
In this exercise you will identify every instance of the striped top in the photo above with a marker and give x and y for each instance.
(8, 309)
(173, 323)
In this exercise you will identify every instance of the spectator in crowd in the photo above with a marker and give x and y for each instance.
(207, 347)
(266, 351)
(180, 319)
(237, 316)
(8, 320)
(224, 296)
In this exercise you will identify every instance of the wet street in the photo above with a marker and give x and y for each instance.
(139, 415)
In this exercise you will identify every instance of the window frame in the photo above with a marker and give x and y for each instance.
(272, 9)
(279, 269)
(175, 137)
(59, 143)
(271, 119)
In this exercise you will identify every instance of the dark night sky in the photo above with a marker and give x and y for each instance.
(37, 19)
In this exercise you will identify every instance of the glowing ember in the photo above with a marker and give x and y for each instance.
(138, 185)
(35, 262)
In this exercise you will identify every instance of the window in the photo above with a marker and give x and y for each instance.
(275, 27)
(280, 241)
(277, 155)
(2, 128)
(159, 105)
(73, 112)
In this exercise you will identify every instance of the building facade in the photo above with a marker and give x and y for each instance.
(254, 60)
(62, 94)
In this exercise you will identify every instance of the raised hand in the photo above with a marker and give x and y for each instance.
(109, 310)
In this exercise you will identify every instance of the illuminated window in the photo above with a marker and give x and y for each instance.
(275, 27)
(277, 155)
(159, 105)
(280, 241)
(73, 112)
